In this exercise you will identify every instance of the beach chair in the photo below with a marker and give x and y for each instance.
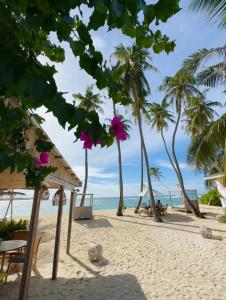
(19, 258)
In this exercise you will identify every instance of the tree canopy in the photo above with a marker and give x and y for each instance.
(26, 28)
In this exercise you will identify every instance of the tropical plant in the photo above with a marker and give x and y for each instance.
(206, 151)
(134, 61)
(179, 89)
(26, 29)
(198, 113)
(91, 103)
(215, 9)
(7, 228)
(211, 198)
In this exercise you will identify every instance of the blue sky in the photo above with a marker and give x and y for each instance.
(191, 32)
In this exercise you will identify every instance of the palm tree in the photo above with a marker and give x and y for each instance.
(198, 114)
(213, 74)
(216, 10)
(145, 114)
(179, 89)
(135, 61)
(159, 118)
(206, 151)
(156, 173)
(90, 102)
(121, 196)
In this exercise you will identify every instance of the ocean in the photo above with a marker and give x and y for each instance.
(23, 207)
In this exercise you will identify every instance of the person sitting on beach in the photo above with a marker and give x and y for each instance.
(160, 207)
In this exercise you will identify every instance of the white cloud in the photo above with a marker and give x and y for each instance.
(98, 42)
(112, 190)
(167, 165)
(93, 172)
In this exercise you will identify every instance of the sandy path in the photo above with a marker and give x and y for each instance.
(142, 260)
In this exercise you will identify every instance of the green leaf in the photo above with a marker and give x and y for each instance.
(84, 34)
(77, 47)
(97, 19)
(150, 13)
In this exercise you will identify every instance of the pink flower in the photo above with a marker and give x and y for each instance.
(38, 163)
(44, 157)
(87, 139)
(118, 129)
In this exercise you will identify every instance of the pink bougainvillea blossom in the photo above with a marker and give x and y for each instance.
(118, 129)
(38, 163)
(87, 139)
(44, 157)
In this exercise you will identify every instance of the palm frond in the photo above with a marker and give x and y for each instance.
(213, 75)
(197, 59)
(215, 9)
(205, 147)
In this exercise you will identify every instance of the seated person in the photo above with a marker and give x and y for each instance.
(161, 208)
(159, 205)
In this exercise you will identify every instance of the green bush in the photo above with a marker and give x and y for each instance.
(7, 228)
(211, 198)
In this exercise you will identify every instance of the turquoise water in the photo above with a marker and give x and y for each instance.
(23, 207)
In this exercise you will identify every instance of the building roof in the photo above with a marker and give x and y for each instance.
(64, 175)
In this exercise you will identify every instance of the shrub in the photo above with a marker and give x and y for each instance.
(211, 198)
(7, 228)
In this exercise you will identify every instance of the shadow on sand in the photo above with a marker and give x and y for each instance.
(112, 287)
(98, 222)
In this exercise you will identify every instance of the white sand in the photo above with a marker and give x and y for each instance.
(142, 259)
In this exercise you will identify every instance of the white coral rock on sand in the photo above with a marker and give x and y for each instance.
(95, 252)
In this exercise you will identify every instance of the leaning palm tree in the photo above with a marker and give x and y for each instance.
(160, 116)
(198, 114)
(90, 102)
(144, 115)
(215, 9)
(179, 89)
(134, 61)
(121, 204)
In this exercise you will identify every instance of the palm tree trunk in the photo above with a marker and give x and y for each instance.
(86, 178)
(141, 178)
(156, 216)
(121, 200)
(179, 175)
(167, 152)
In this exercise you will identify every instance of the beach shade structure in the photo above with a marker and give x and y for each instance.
(145, 192)
(63, 178)
(10, 194)
(56, 198)
(83, 212)
(219, 179)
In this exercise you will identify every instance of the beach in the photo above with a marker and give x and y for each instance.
(142, 259)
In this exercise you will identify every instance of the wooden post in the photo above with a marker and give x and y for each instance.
(70, 221)
(57, 238)
(24, 285)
